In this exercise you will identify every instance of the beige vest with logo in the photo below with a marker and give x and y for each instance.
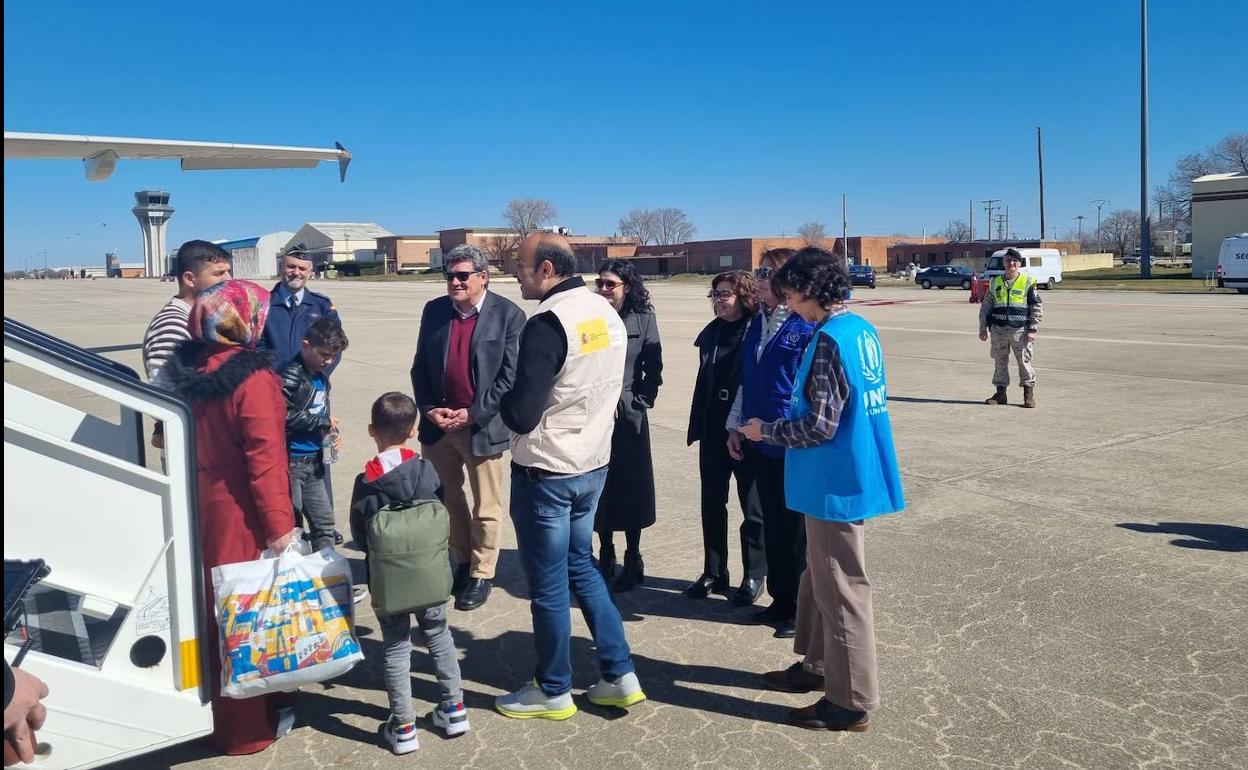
(574, 435)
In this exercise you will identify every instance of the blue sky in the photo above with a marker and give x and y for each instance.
(753, 117)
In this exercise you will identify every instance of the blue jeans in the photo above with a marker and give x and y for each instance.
(554, 520)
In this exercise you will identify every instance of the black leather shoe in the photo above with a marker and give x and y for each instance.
(607, 564)
(474, 595)
(461, 580)
(823, 715)
(338, 539)
(706, 585)
(793, 679)
(748, 593)
(785, 629)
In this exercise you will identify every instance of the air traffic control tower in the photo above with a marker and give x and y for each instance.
(153, 211)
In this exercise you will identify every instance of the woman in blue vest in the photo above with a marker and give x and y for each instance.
(840, 469)
(770, 355)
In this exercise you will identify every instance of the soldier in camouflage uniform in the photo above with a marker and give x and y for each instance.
(1011, 311)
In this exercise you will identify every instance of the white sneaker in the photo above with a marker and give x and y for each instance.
(624, 692)
(451, 719)
(529, 702)
(358, 593)
(401, 738)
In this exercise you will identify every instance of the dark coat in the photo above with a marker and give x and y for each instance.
(627, 500)
(719, 375)
(244, 497)
(494, 346)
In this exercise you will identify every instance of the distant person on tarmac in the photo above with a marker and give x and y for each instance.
(1011, 313)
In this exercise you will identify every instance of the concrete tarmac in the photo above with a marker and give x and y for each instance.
(1068, 586)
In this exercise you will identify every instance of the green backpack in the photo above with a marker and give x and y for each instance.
(407, 557)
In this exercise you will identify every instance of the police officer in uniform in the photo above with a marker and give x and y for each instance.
(1011, 312)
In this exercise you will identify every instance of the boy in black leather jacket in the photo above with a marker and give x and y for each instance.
(310, 431)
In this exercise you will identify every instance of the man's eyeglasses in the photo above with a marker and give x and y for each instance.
(460, 275)
(763, 273)
(603, 283)
(721, 295)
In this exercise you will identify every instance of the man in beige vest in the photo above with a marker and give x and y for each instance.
(569, 375)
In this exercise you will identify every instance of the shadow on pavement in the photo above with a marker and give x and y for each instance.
(1204, 537)
(912, 400)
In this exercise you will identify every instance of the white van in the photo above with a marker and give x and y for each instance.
(1045, 265)
(1233, 263)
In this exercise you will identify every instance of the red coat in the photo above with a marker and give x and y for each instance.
(244, 498)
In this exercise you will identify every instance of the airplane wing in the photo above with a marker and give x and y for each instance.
(100, 154)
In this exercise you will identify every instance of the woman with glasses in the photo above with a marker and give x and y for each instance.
(771, 352)
(627, 501)
(734, 299)
(841, 469)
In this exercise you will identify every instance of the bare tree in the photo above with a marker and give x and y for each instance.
(956, 231)
(525, 215)
(813, 233)
(1230, 154)
(1121, 230)
(672, 226)
(499, 247)
(639, 224)
(1233, 151)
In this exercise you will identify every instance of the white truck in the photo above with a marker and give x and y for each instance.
(1233, 263)
(1044, 265)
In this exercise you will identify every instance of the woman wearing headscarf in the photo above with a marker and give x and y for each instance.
(627, 501)
(243, 482)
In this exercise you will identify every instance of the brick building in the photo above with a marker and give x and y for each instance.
(408, 253)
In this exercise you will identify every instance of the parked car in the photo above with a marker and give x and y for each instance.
(945, 275)
(862, 275)
(1131, 259)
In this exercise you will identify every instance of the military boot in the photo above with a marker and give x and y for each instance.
(999, 398)
(1029, 396)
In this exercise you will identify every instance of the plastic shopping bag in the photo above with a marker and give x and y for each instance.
(285, 621)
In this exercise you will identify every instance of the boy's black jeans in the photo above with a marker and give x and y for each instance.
(308, 494)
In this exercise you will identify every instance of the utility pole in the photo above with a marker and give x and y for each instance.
(1000, 220)
(1007, 221)
(845, 229)
(1146, 241)
(1040, 159)
(1099, 203)
(988, 204)
(970, 211)
(1080, 218)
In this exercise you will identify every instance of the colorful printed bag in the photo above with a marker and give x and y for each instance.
(285, 621)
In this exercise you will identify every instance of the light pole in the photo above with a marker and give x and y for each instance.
(1080, 218)
(1100, 247)
(1146, 243)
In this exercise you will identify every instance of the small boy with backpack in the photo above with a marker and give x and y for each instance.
(398, 519)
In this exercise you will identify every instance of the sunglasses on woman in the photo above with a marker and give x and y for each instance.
(763, 273)
(724, 295)
(609, 285)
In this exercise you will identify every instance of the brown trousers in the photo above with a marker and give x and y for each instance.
(475, 533)
(835, 625)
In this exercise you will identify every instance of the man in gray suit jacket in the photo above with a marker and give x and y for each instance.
(465, 362)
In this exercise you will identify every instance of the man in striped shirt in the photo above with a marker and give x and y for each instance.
(199, 264)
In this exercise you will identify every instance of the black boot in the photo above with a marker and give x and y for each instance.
(633, 574)
(607, 563)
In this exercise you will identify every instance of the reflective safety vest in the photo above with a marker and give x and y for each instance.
(1009, 301)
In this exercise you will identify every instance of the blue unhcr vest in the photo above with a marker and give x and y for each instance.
(767, 383)
(854, 475)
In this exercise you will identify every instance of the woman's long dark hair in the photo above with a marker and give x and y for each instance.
(636, 295)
